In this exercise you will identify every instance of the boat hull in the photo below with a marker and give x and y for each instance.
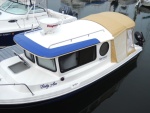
(6, 39)
(49, 102)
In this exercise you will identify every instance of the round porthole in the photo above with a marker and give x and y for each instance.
(104, 48)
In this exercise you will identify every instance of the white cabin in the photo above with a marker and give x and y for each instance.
(73, 56)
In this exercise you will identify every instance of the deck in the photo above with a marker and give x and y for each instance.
(7, 52)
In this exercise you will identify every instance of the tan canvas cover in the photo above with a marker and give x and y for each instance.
(118, 25)
(120, 43)
(114, 22)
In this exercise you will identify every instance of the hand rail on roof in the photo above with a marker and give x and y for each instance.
(75, 38)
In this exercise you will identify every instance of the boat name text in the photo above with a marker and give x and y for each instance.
(46, 86)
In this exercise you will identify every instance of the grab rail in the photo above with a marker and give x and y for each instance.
(19, 84)
(74, 38)
(28, 11)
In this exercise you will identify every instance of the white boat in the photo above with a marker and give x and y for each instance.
(58, 60)
(17, 16)
(143, 2)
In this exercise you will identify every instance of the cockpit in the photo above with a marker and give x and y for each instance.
(19, 8)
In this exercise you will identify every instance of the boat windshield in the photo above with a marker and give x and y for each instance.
(46, 63)
(19, 8)
(42, 62)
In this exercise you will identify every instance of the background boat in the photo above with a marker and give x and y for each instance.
(22, 15)
(143, 2)
(121, 5)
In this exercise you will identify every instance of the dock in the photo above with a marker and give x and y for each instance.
(7, 52)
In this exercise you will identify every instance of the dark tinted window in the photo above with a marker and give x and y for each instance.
(46, 63)
(76, 59)
(104, 48)
(29, 56)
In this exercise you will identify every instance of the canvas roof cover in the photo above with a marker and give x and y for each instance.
(114, 22)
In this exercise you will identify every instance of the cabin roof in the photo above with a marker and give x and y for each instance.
(41, 51)
(114, 22)
(70, 37)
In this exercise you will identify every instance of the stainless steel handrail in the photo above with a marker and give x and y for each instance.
(74, 38)
(19, 84)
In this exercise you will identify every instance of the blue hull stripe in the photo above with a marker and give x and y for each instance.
(39, 50)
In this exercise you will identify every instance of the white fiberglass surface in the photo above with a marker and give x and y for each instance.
(69, 31)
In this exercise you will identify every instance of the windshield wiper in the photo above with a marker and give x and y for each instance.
(24, 61)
